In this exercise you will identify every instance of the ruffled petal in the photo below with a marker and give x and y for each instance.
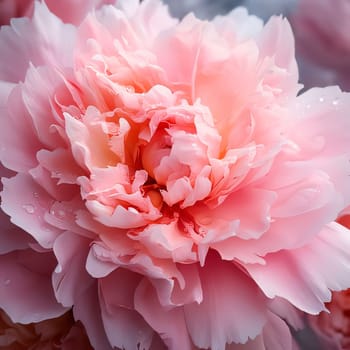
(227, 292)
(306, 275)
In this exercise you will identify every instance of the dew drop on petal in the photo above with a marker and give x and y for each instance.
(29, 208)
(130, 89)
(58, 268)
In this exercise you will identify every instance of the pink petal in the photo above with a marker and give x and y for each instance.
(28, 41)
(18, 149)
(87, 310)
(78, 9)
(70, 277)
(276, 334)
(124, 327)
(305, 276)
(227, 292)
(25, 290)
(28, 210)
(38, 92)
(170, 324)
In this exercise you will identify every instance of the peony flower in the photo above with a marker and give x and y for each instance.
(60, 333)
(167, 181)
(322, 42)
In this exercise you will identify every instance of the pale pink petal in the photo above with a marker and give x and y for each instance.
(28, 210)
(41, 84)
(70, 278)
(277, 41)
(97, 264)
(304, 276)
(17, 149)
(28, 41)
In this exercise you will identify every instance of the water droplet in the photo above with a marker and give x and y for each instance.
(29, 208)
(321, 99)
(58, 268)
(7, 282)
(130, 89)
(335, 102)
(35, 194)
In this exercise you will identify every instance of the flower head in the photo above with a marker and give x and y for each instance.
(184, 190)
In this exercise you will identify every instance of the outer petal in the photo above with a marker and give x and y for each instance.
(169, 323)
(25, 289)
(227, 293)
(70, 278)
(28, 210)
(276, 334)
(28, 41)
(125, 328)
(78, 9)
(11, 236)
(304, 276)
(87, 310)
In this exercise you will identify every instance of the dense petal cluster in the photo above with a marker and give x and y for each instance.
(166, 181)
